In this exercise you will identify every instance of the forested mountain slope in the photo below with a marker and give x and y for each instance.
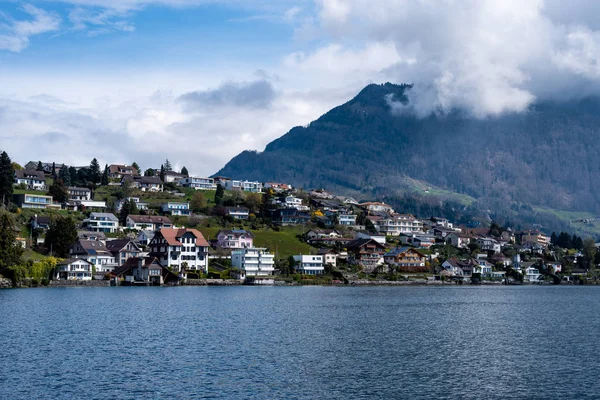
(545, 156)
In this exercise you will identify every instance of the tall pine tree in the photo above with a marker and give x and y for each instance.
(104, 181)
(40, 167)
(184, 171)
(167, 165)
(7, 174)
(64, 175)
(95, 172)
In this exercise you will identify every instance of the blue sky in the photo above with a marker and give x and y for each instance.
(198, 81)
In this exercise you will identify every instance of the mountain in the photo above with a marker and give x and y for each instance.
(544, 158)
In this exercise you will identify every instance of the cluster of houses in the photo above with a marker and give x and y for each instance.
(355, 233)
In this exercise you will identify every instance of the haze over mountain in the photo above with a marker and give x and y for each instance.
(546, 155)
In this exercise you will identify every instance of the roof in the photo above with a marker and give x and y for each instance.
(26, 173)
(79, 189)
(72, 260)
(149, 219)
(236, 232)
(172, 236)
(109, 216)
(399, 250)
(357, 243)
(42, 220)
(326, 251)
(237, 209)
(86, 234)
(94, 247)
(117, 244)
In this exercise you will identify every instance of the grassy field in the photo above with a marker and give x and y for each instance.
(284, 242)
(425, 189)
(575, 220)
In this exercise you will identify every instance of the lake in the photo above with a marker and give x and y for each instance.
(534, 342)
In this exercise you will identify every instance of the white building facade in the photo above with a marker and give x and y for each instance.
(309, 265)
(253, 261)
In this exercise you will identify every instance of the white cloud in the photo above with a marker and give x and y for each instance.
(15, 34)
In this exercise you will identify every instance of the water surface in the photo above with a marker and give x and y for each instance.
(300, 342)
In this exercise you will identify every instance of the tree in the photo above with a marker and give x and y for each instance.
(6, 178)
(138, 170)
(184, 171)
(10, 250)
(58, 191)
(53, 172)
(253, 202)
(61, 235)
(150, 172)
(16, 166)
(104, 181)
(95, 172)
(64, 175)
(128, 208)
(40, 167)
(83, 175)
(167, 165)
(73, 176)
(198, 202)
(219, 195)
(162, 173)
(589, 253)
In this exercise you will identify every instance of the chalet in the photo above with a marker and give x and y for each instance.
(148, 222)
(123, 249)
(407, 259)
(33, 180)
(146, 270)
(79, 193)
(120, 171)
(180, 249)
(96, 253)
(76, 269)
(234, 239)
(366, 253)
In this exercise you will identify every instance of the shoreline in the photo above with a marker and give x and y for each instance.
(7, 284)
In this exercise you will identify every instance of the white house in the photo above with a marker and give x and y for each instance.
(309, 264)
(96, 253)
(198, 183)
(346, 219)
(180, 249)
(238, 212)
(176, 208)
(366, 235)
(139, 204)
(532, 274)
(329, 257)
(79, 194)
(74, 269)
(101, 222)
(395, 224)
(148, 222)
(253, 262)
(34, 180)
(295, 202)
(458, 240)
(245, 186)
(234, 239)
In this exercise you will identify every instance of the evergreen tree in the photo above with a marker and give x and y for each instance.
(589, 253)
(129, 208)
(53, 172)
(40, 167)
(95, 172)
(219, 195)
(58, 191)
(162, 173)
(184, 171)
(138, 170)
(61, 235)
(150, 172)
(64, 175)
(10, 250)
(168, 166)
(7, 175)
(83, 176)
(553, 238)
(73, 176)
(104, 181)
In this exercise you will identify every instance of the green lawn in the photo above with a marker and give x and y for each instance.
(29, 254)
(575, 220)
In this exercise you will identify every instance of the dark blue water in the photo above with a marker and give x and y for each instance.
(300, 342)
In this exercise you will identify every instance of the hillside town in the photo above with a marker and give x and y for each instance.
(165, 227)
